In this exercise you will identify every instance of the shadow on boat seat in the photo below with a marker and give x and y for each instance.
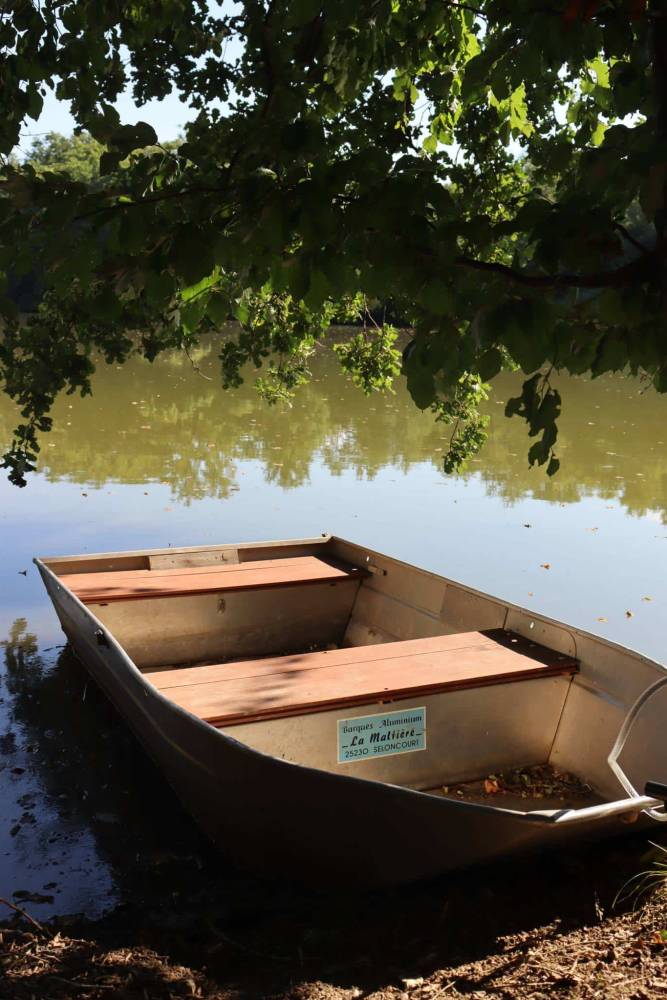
(166, 614)
(226, 694)
(487, 700)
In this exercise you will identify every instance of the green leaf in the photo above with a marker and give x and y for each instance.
(241, 312)
(612, 355)
(194, 291)
(598, 134)
(601, 70)
(318, 289)
(125, 140)
(489, 364)
(419, 374)
(159, 288)
(436, 297)
(192, 314)
(430, 144)
(217, 309)
(518, 112)
(524, 327)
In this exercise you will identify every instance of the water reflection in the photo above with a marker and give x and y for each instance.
(612, 442)
(163, 423)
(87, 812)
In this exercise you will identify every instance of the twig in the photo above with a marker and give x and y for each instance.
(195, 367)
(244, 948)
(630, 238)
(81, 986)
(23, 913)
(464, 6)
(140, 202)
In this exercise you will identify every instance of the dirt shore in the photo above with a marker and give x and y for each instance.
(547, 927)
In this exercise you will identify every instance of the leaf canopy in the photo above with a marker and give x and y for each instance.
(497, 171)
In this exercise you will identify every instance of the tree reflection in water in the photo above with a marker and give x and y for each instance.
(163, 423)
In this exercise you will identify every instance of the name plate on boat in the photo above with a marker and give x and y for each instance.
(383, 735)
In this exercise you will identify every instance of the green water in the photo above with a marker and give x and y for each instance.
(161, 456)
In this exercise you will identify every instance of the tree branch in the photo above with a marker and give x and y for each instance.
(23, 913)
(630, 238)
(139, 202)
(464, 6)
(643, 267)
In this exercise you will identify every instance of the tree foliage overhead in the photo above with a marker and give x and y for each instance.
(498, 170)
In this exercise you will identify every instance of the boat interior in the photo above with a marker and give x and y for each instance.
(278, 644)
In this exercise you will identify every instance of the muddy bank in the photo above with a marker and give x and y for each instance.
(551, 926)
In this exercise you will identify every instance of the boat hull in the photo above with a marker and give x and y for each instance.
(287, 820)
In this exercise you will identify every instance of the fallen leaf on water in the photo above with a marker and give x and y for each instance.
(629, 614)
(602, 619)
(527, 525)
(591, 529)
(647, 598)
(545, 565)
(84, 494)
(530, 593)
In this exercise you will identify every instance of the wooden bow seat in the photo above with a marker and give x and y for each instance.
(228, 694)
(127, 585)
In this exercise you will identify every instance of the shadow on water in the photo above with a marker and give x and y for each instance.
(93, 815)
(100, 831)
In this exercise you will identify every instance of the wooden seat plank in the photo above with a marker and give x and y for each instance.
(248, 691)
(294, 663)
(94, 588)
